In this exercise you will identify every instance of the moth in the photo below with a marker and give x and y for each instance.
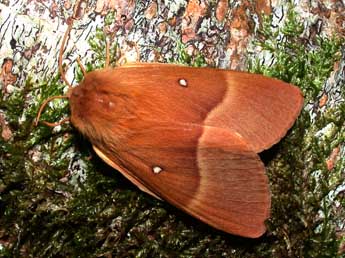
(190, 136)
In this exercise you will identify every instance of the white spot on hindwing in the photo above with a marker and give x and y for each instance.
(157, 169)
(183, 82)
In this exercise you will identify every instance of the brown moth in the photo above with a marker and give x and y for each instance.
(189, 136)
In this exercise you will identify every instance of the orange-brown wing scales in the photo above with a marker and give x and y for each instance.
(234, 176)
(210, 173)
(148, 91)
(259, 108)
(156, 148)
(113, 162)
(189, 135)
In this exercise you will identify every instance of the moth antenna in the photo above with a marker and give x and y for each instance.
(44, 105)
(62, 72)
(81, 66)
(107, 54)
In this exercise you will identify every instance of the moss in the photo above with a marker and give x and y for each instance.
(98, 45)
(294, 61)
(185, 59)
(303, 220)
(65, 204)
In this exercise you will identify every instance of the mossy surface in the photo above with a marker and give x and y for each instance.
(304, 215)
(56, 201)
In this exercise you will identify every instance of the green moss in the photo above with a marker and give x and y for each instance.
(184, 58)
(303, 219)
(98, 45)
(109, 19)
(294, 61)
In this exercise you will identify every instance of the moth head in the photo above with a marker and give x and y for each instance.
(77, 94)
(87, 105)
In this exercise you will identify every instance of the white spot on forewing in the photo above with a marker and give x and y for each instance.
(183, 82)
(157, 169)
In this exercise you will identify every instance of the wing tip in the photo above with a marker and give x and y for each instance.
(249, 231)
(298, 104)
(258, 232)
